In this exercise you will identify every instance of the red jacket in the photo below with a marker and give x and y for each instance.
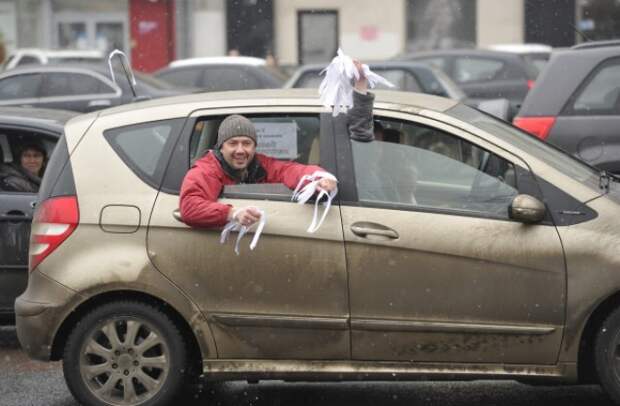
(205, 181)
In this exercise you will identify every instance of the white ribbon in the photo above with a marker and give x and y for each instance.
(234, 225)
(303, 194)
(336, 90)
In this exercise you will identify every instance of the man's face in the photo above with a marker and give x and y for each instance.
(239, 151)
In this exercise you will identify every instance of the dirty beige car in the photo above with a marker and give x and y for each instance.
(461, 248)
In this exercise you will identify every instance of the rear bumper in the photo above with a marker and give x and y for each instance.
(38, 314)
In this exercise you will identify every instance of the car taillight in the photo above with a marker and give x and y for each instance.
(530, 84)
(538, 126)
(54, 220)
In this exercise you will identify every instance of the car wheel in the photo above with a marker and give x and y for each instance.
(607, 355)
(125, 353)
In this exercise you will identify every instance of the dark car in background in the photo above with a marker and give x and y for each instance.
(406, 76)
(483, 74)
(77, 87)
(575, 104)
(537, 55)
(221, 73)
(17, 127)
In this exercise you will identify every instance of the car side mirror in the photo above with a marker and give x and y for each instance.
(526, 209)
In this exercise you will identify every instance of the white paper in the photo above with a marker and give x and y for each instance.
(277, 140)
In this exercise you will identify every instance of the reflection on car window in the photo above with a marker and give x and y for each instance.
(601, 96)
(411, 165)
(182, 77)
(72, 84)
(219, 78)
(285, 136)
(20, 87)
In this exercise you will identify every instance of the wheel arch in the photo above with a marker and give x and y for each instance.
(585, 364)
(60, 338)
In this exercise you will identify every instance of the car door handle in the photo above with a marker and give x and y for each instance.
(15, 216)
(372, 229)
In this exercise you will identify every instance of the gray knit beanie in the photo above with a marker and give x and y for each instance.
(235, 126)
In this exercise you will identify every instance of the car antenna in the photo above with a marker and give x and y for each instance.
(578, 31)
(128, 72)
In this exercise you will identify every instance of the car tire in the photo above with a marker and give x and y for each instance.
(606, 349)
(146, 363)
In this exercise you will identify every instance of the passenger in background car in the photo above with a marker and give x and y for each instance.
(235, 161)
(25, 177)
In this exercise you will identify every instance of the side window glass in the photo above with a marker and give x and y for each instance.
(23, 159)
(72, 84)
(293, 137)
(476, 69)
(438, 63)
(601, 94)
(402, 79)
(28, 60)
(220, 78)
(20, 86)
(145, 148)
(414, 166)
(309, 80)
(182, 77)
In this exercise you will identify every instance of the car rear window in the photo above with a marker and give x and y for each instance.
(600, 94)
(476, 69)
(145, 148)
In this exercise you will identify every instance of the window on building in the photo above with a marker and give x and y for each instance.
(440, 24)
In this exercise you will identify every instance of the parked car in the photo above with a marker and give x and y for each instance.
(221, 73)
(536, 55)
(76, 87)
(575, 104)
(406, 76)
(19, 126)
(34, 56)
(438, 258)
(483, 74)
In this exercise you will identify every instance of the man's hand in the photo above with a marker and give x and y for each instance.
(361, 84)
(246, 216)
(327, 184)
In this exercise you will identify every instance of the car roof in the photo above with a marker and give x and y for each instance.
(218, 60)
(461, 52)
(522, 48)
(52, 120)
(276, 97)
(597, 44)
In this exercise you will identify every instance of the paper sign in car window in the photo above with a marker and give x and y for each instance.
(277, 140)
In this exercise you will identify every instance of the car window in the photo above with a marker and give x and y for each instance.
(28, 60)
(20, 86)
(23, 176)
(220, 78)
(309, 80)
(145, 147)
(182, 77)
(438, 63)
(422, 167)
(601, 93)
(291, 137)
(468, 69)
(72, 84)
(402, 79)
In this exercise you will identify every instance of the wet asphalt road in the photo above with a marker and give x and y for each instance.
(25, 382)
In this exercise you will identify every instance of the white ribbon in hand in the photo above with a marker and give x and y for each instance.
(303, 194)
(234, 225)
(336, 90)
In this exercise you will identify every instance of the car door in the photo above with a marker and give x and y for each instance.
(286, 299)
(77, 91)
(16, 209)
(437, 270)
